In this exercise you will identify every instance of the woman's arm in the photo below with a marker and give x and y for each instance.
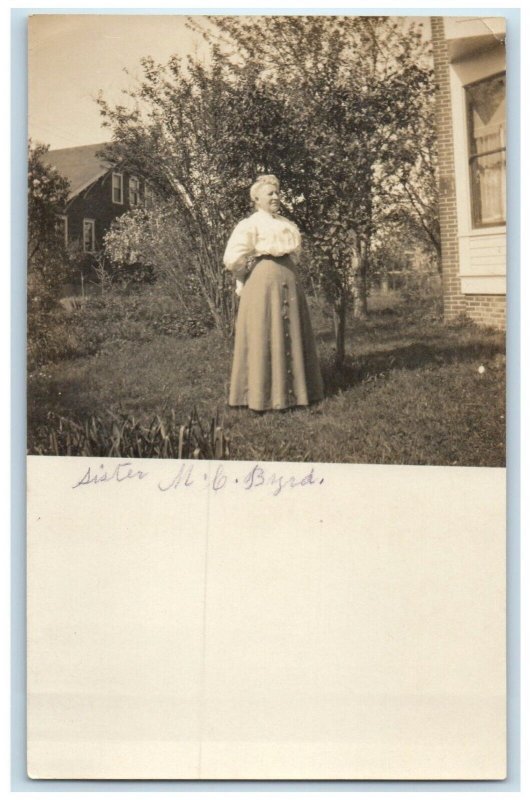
(296, 254)
(240, 247)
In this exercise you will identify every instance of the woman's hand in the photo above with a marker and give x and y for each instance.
(239, 287)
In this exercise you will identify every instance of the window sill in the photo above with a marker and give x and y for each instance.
(483, 284)
(494, 231)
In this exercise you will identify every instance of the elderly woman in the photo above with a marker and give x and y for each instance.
(275, 363)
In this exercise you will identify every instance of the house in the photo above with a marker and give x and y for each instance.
(470, 65)
(99, 192)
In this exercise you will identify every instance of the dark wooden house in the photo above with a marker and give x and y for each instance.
(99, 192)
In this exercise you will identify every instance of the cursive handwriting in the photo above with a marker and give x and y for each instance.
(122, 472)
(182, 478)
(218, 478)
(258, 476)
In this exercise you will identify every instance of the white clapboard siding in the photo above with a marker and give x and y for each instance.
(482, 263)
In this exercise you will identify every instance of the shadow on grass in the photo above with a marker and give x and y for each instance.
(357, 369)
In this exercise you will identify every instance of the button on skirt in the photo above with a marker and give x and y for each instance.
(275, 362)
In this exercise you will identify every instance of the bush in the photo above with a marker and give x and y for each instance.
(422, 296)
(47, 334)
(100, 322)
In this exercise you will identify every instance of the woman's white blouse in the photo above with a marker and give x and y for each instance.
(261, 234)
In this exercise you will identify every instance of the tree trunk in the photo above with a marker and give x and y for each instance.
(340, 322)
(359, 281)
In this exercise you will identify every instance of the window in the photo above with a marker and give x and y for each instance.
(134, 191)
(148, 195)
(62, 228)
(89, 235)
(118, 188)
(485, 102)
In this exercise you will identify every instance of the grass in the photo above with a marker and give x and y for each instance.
(409, 393)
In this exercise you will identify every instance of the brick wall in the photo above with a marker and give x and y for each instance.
(486, 309)
(454, 302)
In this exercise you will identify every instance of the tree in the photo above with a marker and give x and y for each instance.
(47, 256)
(198, 135)
(409, 194)
(328, 104)
(151, 237)
(356, 88)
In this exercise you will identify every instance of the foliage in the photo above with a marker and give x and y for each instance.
(152, 237)
(423, 293)
(401, 255)
(100, 323)
(125, 437)
(48, 261)
(198, 140)
(409, 392)
(408, 203)
(48, 338)
(47, 256)
(355, 91)
(328, 104)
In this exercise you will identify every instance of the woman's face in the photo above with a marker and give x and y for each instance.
(267, 198)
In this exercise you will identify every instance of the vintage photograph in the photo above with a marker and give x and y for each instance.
(267, 238)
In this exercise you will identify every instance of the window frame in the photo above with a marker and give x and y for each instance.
(64, 220)
(473, 158)
(93, 228)
(119, 175)
(136, 180)
(148, 195)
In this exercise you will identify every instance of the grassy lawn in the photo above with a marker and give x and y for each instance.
(410, 393)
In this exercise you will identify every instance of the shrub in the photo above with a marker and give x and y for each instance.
(422, 296)
(45, 340)
(75, 329)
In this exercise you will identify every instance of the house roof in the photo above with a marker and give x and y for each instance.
(79, 165)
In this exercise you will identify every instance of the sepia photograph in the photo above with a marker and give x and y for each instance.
(267, 238)
(266, 288)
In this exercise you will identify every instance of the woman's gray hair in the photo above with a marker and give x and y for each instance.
(260, 181)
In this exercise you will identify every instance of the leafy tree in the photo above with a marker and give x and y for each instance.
(356, 88)
(198, 135)
(47, 256)
(408, 199)
(151, 237)
(328, 104)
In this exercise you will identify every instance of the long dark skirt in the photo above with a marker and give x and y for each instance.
(275, 361)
